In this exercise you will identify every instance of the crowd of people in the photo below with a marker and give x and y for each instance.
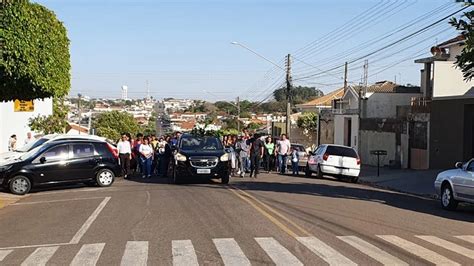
(146, 155)
(250, 150)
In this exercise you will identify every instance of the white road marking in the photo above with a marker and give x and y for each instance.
(372, 251)
(279, 254)
(88, 255)
(324, 251)
(449, 246)
(136, 253)
(53, 201)
(183, 253)
(418, 250)
(4, 253)
(40, 256)
(466, 238)
(82, 231)
(230, 252)
(36, 246)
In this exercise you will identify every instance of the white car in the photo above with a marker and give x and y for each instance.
(456, 185)
(11, 155)
(334, 160)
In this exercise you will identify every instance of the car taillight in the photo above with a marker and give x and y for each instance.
(358, 161)
(325, 156)
(113, 150)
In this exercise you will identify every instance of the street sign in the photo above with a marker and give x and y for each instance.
(23, 106)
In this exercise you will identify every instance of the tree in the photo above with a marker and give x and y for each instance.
(111, 124)
(298, 94)
(34, 60)
(55, 123)
(465, 61)
(308, 121)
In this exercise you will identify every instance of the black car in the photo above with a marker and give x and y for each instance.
(200, 156)
(62, 161)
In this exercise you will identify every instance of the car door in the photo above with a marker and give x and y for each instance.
(83, 161)
(51, 165)
(464, 182)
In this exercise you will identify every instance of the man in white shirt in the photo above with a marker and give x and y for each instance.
(283, 150)
(29, 138)
(125, 154)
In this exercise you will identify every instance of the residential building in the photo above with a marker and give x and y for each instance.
(175, 105)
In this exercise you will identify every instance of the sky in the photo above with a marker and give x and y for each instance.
(183, 49)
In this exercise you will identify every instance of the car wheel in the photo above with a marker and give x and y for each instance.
(447, 198)
(105, 178)
(225, 179)
(319, 174)
(307, 171)
(354, 179)
(20, 185)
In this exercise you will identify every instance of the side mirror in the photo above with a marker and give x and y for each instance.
(458, 165)
(43, 159)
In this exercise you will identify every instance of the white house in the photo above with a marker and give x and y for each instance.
(15, 120)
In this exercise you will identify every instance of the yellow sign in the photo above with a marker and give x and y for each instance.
(24, 106)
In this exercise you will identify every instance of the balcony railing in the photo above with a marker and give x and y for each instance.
(339, 111)
(420, 105)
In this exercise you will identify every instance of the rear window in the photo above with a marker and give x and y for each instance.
(341, 151)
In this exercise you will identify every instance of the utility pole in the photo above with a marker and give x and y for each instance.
(288, 96)
(345, 77)
(238, 114)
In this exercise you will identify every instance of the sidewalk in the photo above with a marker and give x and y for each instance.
(418, 182)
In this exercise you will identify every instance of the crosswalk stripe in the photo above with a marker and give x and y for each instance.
(4, 253)
(230, 252)
(418, 250)
(449, 246)
(40, 256)
(136, 253)
(279, 254)
(183, 253)
(324, 251)
(372, 251)
(466, 238)
(88, 255)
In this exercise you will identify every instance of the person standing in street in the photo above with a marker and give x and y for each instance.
(12, 143)
(256, 154)
(136, 150)
(29, 138)
(125, 154)
(243, 149)
(294, 161)
(146, 154)
(268, 156)
(283, 149)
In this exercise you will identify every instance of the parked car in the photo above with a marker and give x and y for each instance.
(62, 161)
(456, 185)
(302, 155)
(334, 160)
(200, 156)
(40, 141)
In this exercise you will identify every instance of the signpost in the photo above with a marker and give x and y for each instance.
(23, 106)
(378, 153)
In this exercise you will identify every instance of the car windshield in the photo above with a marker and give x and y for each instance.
(30, 153)
(341, 151)
(32, 145)
(200, 143)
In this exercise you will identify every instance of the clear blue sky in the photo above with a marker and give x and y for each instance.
(183, 47)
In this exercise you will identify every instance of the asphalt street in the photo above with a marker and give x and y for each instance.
(274, 219)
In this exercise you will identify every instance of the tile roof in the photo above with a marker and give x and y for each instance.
(325, 100)
(457, 39)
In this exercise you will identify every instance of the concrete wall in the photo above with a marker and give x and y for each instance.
(384, 105)
(373, 140)
(448, 80)
(339, 125)
(17, 122)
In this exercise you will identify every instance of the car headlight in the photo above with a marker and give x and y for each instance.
(180, 157)
(225, 157)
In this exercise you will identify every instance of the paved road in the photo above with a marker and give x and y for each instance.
(275, 219)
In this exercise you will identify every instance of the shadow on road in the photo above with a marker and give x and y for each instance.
(402, 201)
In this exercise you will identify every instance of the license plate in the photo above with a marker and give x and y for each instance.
(203, 171)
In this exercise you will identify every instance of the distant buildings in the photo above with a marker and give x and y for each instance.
(124, 92)
(176, 105)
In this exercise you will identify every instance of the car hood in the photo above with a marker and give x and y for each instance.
(190, 153)
(7, 156)
(448, 173)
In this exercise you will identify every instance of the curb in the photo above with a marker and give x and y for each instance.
(427, 196)
(8, 199)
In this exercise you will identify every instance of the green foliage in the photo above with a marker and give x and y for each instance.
(253, 126)
(298, 94)
(55, 123)
(35, 60)
(232, 124)
(111, 124)
(465, 61)
(308, 121)
(202, 132)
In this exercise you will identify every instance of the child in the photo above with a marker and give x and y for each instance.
(294, 161)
